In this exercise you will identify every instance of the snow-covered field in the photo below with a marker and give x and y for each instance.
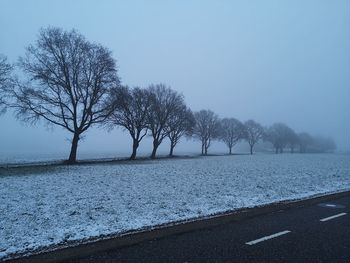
(50, 205)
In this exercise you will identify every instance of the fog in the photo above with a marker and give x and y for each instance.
(271, 61)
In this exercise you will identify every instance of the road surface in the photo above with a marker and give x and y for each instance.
(312, 233)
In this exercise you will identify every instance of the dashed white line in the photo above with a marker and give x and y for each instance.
(267, 237)
(332, 217)
(330, 205)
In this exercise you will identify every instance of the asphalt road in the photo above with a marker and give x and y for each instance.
(313, 233)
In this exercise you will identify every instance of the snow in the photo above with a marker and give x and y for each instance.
(44, 206)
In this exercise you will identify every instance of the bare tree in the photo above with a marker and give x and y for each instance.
(304, 140)
(323, 144)
(5, 80)
(253, 133)
(181, 123)
(293, 140)
(315, 144)
(278, 134)
(231, 131)
(164, 104)
(130, 112)
(70, 81)
(207, 128)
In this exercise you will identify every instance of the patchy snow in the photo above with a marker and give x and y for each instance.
(49, 205)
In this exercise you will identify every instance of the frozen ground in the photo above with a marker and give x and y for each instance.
(51, 205)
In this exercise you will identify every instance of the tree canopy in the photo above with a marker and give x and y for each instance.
(70, 82)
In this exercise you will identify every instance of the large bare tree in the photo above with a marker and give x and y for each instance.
(206, 129)
(164, 104)
(130, 112)
(231, 131)
(181, 123)
(253, 133)
(5, 80)
(70, 80)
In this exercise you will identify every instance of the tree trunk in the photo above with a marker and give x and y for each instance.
(230, 151)
(172, 146)
(155, 147)
(135, 145)
(251, 149)
(276, 150)
(73, 151)
(206, 146)
(171, 151)
(202, 148)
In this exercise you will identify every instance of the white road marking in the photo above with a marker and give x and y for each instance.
(331, 217)
(330, 205)
(267, 237)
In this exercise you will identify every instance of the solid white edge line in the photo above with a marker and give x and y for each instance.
(267, 237)
(332, 217)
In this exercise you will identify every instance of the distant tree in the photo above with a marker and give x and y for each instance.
(165, 103)
(130, 112)
(207, 128)
(323, 144)
(305, 140)
(231, 131)
(70, 82)
(331, 146)
(254, 133)
(311, 144)
(293, 140)
(278, 134)
(180, 123)
(5, 80)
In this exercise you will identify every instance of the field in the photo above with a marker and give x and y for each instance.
(51, 205)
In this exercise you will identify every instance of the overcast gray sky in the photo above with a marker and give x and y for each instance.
(271, 61)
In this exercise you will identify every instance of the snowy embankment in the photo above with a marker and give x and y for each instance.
(54, 204)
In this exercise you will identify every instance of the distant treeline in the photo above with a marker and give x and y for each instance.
(73, 83)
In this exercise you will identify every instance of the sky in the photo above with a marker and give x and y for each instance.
(271, 61)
